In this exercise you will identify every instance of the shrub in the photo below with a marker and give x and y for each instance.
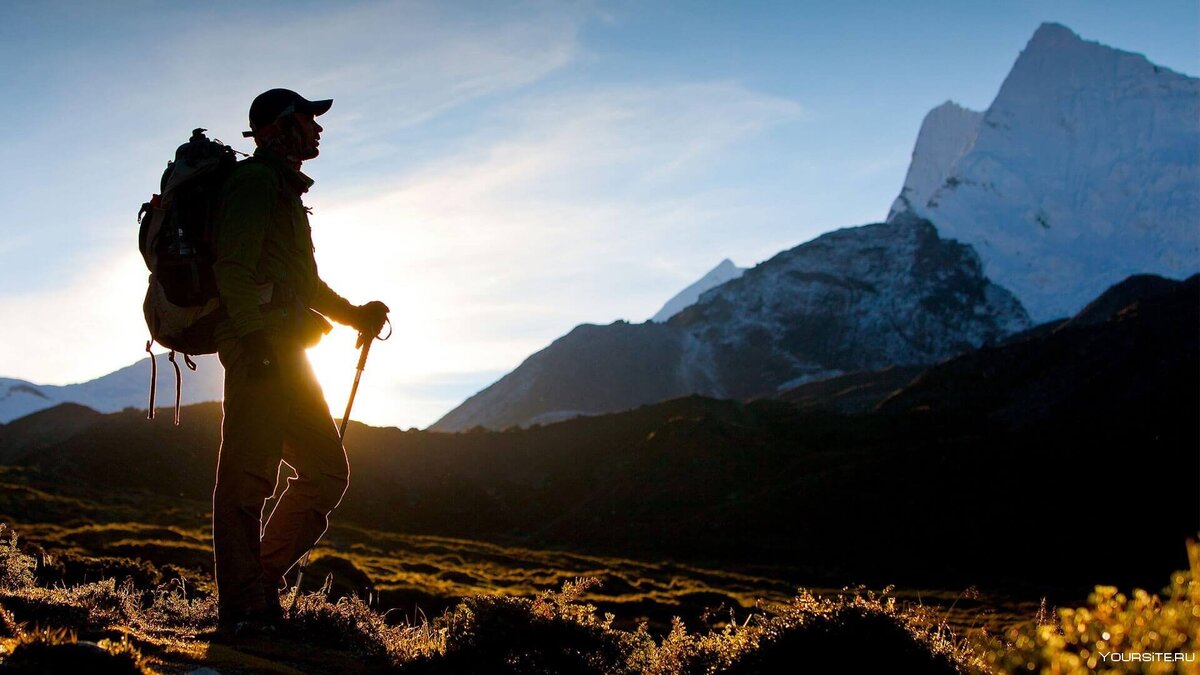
(16, 568)
(1112, 626)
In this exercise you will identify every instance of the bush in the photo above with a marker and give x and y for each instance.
(16, 568)
(1112, 626)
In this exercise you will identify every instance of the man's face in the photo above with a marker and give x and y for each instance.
(309, 135)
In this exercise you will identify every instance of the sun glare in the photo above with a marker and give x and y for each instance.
(334, 361)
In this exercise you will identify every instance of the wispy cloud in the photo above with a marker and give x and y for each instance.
(404, 62)
(112, 115)
(562, 216)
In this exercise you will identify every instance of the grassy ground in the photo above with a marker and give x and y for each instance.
(152, 619)
(169, 628)
(416, 575)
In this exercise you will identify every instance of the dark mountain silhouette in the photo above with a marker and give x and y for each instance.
(44, 429)
(863, 391)
(1114, 358)
(853, 393)
(949, 480)
(858, 298)
(1118, 297)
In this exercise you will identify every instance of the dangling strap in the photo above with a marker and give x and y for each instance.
(178, 385)
(189, 362)
(153, 378)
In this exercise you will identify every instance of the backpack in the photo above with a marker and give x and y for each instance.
(175, 238)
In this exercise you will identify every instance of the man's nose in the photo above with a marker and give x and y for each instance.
(318, 127)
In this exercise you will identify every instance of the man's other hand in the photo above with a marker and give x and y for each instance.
(260, 355)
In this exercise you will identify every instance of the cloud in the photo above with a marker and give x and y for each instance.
(389, 66)
(563, 215)
(120, 101)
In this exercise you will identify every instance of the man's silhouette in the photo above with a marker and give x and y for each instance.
(274, 408)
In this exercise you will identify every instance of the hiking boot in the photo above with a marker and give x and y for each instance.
(252, 624)
(248, 629)
(274, 609)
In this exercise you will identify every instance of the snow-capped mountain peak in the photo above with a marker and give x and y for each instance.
(725, 271)
(127, 387)
(947, 132)
(1084, 170)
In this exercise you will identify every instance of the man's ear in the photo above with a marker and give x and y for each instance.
(270, 132)
(286, 123)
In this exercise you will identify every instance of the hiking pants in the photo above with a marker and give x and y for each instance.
(266, 420)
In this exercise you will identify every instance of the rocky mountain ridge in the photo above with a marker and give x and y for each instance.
(852, 299)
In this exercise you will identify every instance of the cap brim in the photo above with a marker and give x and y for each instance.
(319, 107)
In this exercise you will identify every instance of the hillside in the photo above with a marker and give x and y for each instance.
(825, 498)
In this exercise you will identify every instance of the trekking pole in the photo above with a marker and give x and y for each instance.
(362, 364)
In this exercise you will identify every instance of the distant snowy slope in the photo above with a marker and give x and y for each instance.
(125, 388)
(1085, 170)
(718, 275)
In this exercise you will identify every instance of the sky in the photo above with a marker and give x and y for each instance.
(496, 172)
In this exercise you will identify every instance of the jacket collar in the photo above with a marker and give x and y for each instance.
(296, 180)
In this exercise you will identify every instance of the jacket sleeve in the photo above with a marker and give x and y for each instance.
(239, 232)
(331, 304)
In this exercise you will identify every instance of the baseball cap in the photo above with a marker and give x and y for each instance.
(275, 103)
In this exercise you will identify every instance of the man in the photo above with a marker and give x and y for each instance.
(274, 409)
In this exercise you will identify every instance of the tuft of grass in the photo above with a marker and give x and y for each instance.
(554, 633)
(350, 624)
(9, 628)
(171, 608)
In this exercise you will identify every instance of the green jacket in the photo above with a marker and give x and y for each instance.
(264, 252)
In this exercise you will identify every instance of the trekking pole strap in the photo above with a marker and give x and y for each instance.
(153, 378)
(178, 384)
